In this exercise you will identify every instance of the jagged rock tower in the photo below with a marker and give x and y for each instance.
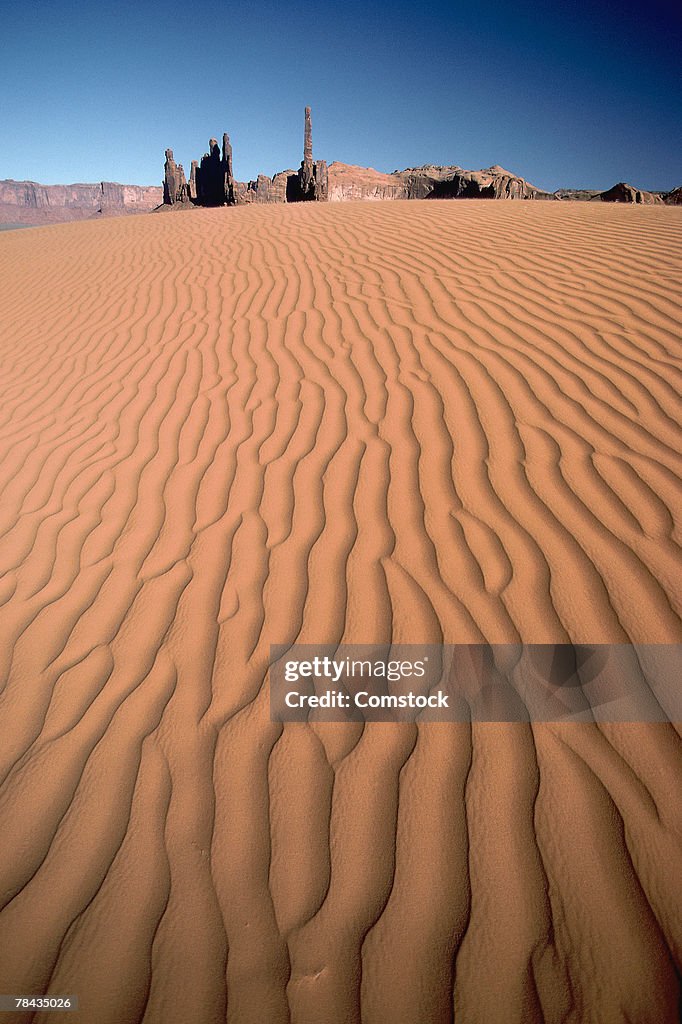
(210, 177)
(228, 176)
(313, 180)
(193, 180)
(175, 188)
(307, 174)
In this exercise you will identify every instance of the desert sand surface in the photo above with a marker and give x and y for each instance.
(425, 422)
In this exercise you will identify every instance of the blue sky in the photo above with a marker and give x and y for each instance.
(568, 94)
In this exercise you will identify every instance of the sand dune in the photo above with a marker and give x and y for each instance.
(426, 422)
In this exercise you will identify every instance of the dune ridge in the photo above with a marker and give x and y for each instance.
(425, 422)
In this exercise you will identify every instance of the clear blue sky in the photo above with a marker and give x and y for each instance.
(582, 93)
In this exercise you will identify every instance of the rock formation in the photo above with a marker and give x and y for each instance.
(321, 181)
(209, 177)
(307, 174)
(175, 188)
(283, 187)
(579, 195)
(349, 182)
(624, 193)
(226, 168)
(490, 183)
(456, 183)
(28, 202)
(421, 182)
(429, 182)
(621, 193)
(212, 181)
(313, 176)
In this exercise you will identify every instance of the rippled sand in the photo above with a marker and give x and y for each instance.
(426, 422)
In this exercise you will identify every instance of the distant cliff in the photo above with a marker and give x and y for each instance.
(621, 193)
(28, 202)
(429, 182)
(624, 193)
(347, 182)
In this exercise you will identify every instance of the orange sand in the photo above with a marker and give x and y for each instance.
(421, 421)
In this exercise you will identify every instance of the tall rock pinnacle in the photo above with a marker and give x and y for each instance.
(174, 184)
(228, 176)
(210, 178)
(307, 172)
(308, 138)
(312, 177)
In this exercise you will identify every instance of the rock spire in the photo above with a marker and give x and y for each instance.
(174, 184)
